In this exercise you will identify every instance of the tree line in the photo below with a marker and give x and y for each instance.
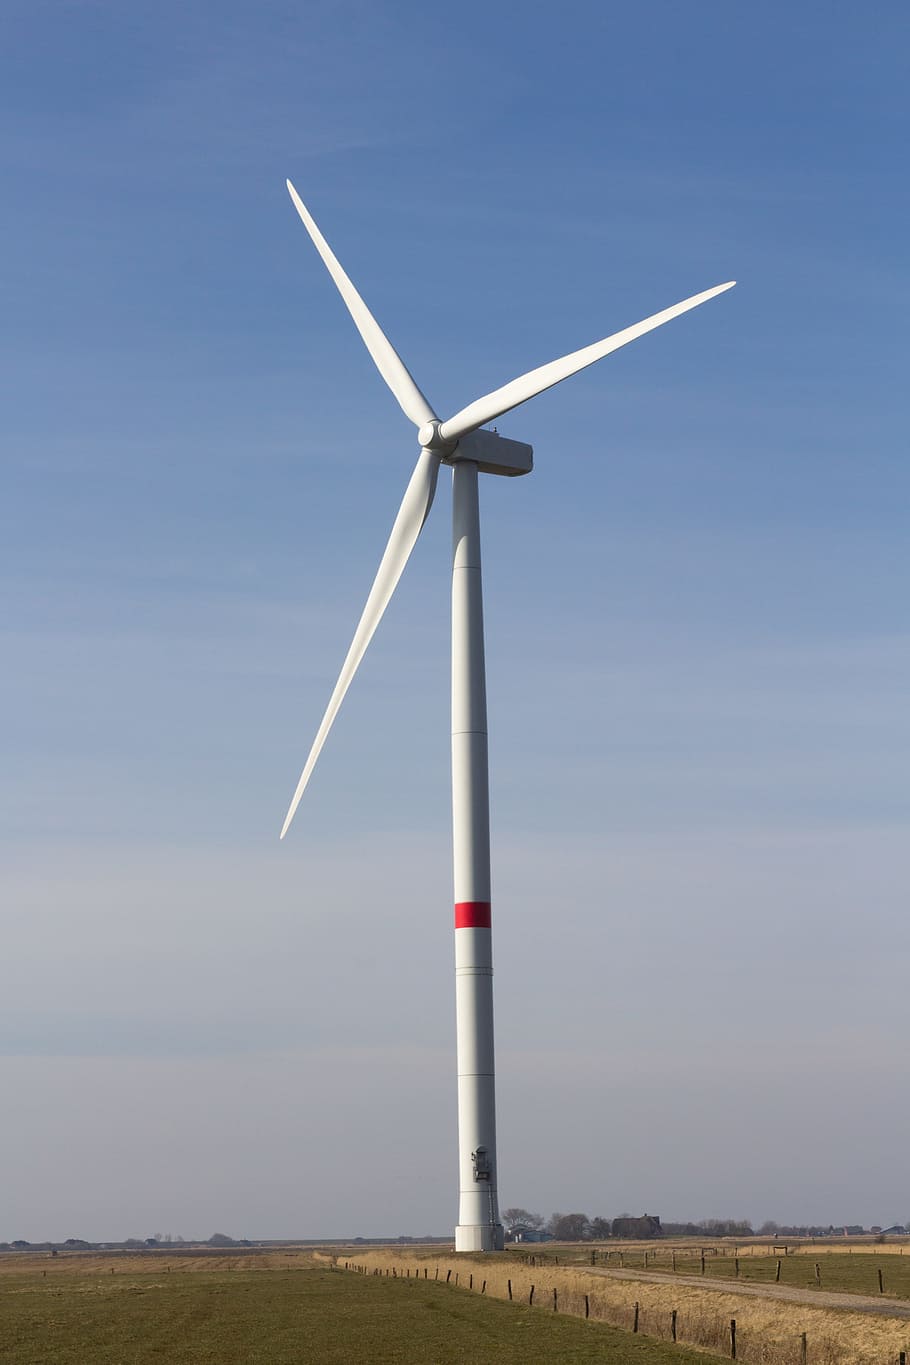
(218, 1239)
(579, 1227)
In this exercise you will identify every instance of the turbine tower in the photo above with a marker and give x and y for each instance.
(460, 443)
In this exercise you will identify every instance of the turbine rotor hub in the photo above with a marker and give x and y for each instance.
(430, 439)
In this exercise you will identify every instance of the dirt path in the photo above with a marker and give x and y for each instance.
(858, 1303)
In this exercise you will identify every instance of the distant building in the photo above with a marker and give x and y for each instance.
(637, 1229)
(520, 1232)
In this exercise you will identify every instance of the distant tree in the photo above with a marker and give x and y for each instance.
(568, 1227)
(529, 1220)
(220, 1239)
(769, 1228)
(726, 1227)
(599, 1229)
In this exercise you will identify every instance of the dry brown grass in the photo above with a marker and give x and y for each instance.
(768, 1329)
(106, 1262)
(866, 1248)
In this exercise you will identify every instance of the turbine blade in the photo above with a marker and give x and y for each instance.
(536, 381)
(415, 506)
(387, 360)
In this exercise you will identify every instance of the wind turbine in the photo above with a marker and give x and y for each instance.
(460, 443)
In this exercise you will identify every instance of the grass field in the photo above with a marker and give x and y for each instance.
(275, 1316)
(839, 1272)
(769, 1329)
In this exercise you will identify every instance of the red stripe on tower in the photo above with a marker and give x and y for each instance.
(472, 914)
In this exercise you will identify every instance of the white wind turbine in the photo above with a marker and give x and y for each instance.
(461, 443)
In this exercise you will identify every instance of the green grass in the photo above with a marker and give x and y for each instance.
(306, 1317)
(841, 1272)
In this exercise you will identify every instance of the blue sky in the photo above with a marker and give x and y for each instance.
(697, 629)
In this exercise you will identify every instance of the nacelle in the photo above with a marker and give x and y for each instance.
(493, 454)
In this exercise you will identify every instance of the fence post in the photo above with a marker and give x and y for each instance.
(587, 1306)
(803, 1349)
(436, 1276)
(554, 1299)
(733, 1338)
(594, 1258)
(531, 1296)
(635, 1319)
(483, 1287)
(621, 1261)
(456, 1276)
(673, 1254)
(703, 1263)
(509, 1284)
(736, 1266)
(818, 1275)
(646, 1261)
(673, 1325)
(448, 1275)
(471, 1281)
(881, 1283)
(777, 1276)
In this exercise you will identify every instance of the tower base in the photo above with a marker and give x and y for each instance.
(479, 1237)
